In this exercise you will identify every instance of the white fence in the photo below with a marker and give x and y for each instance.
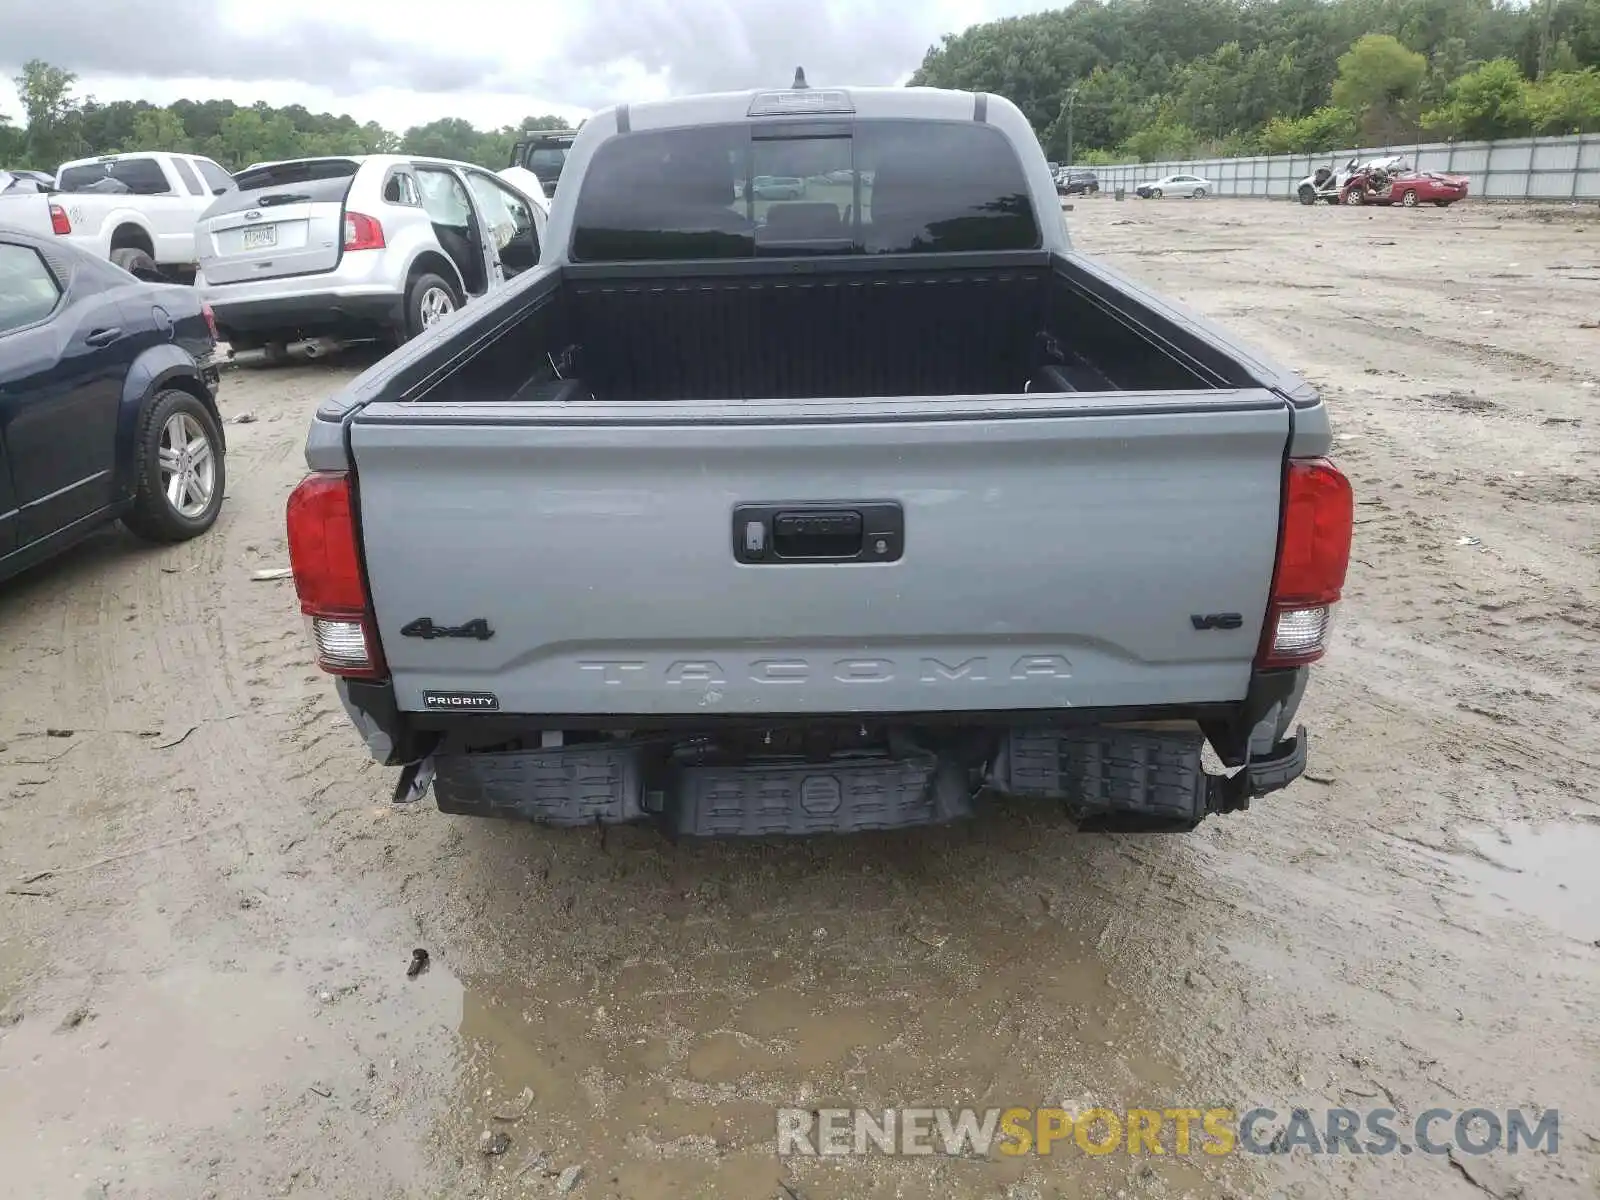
(1550, 168)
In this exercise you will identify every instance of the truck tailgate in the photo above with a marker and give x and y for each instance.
(1115, 551)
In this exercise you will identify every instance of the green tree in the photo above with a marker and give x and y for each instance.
(1565, 102)
(1378, 81)
(1327, 128)
(1241, 73)
(1162, 139)
(51, 112)
(1490, 102)
(158, 129)
(448, 137)
(12, 141)
(375, 139)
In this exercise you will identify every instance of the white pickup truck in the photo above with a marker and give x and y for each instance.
(138, 210)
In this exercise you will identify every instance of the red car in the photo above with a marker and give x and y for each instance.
(1406, 186)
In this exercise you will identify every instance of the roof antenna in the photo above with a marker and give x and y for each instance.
(799, 84)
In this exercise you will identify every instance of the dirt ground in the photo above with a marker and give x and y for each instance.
(210, 905)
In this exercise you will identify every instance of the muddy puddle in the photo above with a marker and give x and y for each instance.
(794, 978)
(1550, 873)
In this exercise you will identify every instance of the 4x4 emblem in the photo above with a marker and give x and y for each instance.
(423, 627)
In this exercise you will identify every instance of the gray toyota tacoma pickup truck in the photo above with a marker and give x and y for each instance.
(839, 511)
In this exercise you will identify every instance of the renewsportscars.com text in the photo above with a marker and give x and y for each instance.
(1174, 1131)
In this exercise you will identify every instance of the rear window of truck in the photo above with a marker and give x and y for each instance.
(785, 188)
(140, 176)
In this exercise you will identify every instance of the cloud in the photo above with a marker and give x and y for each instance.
(158, 39)
(493, 61)
(718, 45)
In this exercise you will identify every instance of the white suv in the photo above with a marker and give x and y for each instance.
(369, 246)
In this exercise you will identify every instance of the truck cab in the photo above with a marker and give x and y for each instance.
(544, 152)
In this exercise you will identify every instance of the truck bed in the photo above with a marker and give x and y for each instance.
(1011, 325)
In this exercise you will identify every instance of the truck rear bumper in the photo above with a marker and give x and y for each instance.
(1107, 779)
(1130, 770)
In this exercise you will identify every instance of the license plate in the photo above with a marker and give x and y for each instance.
(260, 237)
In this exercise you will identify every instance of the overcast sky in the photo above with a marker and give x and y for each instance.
(405, 62)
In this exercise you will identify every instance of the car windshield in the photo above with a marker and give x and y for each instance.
(846, 187)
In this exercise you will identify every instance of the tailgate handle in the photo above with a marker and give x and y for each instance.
(820, 534)
(812, 532)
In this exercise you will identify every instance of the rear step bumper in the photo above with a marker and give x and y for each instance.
(1109, 779)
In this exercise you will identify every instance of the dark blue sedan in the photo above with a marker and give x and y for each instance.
(108, 405)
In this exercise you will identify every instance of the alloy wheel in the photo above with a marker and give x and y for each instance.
(188, 465)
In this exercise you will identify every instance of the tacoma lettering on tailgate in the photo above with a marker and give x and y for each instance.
(701, 672)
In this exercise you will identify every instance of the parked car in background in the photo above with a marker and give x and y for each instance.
(107, 403)
(1174, 185)
(1398, 182)
(25, 205)
(138, 210)
(544, 152)
(369, 246)
(1073, 182)
(20, 178)
(778, 187)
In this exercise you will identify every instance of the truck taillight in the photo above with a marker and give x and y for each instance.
(211, 320)
(1313, 555)
(58, 220)
(327, 575)
(362, 232)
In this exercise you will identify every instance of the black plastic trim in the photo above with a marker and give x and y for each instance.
(980, 108)
(1230, 737)
(490, 725)
(624, 121)
(1226, 724)
(785, 129)
(310, 313)
(768, 534)
(375, 699)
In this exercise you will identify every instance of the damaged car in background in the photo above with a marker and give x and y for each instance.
(749, 515)
(1391, 179)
